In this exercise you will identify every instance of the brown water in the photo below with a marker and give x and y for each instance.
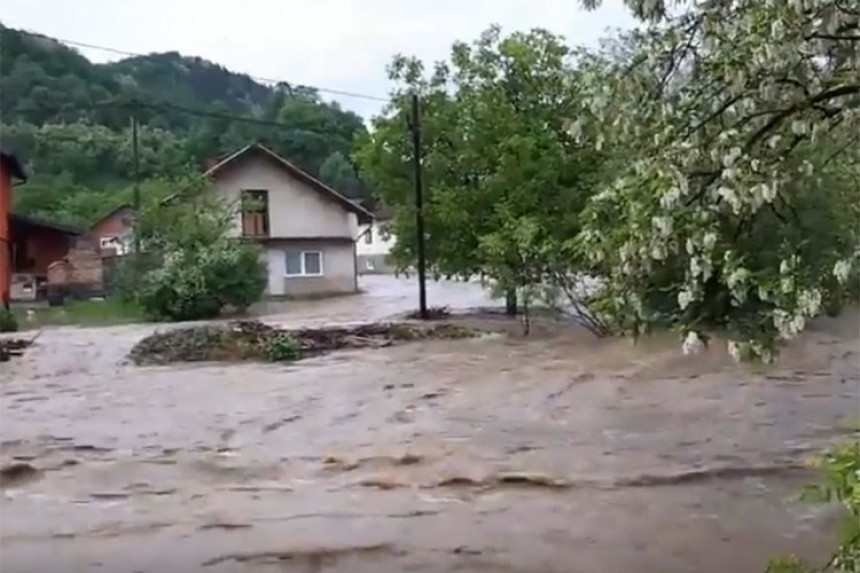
(552, 453)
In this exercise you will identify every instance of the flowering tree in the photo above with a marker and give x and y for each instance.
(735, 201)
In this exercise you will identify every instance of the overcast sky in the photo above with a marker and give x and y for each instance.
(338, 44)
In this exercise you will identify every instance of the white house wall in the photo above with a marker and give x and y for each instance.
(277, 265)
(338, 263)
(295, 209)
(377, 246)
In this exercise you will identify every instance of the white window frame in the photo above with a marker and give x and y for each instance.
(304, 273)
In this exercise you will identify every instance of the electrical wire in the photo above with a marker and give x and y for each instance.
(135, 103)
(162, 106)
(289, 85)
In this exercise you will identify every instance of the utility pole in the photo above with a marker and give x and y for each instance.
(419, 206)
(136, 160)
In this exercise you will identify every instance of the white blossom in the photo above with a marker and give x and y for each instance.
(731, 198)
(777, 30)
(685, 297)
(730, 157)
(663, 225)
(734, 350)
(736, 282)
(809, 302)
(841, 270)
(798, 127)
(690, 246)
(692, 344)
(670, 198)
(696, 267)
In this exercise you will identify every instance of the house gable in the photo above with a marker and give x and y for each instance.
(296, 207)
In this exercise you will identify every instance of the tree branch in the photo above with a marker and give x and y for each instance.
(828, 95)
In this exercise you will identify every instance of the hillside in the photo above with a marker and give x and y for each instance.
(69, 120)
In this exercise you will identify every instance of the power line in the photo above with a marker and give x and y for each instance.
(135, 103)
(289, 85)
(212, 114)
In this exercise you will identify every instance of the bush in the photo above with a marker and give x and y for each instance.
(282, 347)
(199, 282)
(8, 322)
(841, 484)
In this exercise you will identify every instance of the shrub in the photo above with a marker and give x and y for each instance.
(8, 322)
(282, 347)
(199, 282)
(841, 484)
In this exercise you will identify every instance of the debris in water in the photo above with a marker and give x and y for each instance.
(250, 340)
(313, 558)
(433, 313)
(17, 474)
(224, 525)
(12, 347)
(380, 482)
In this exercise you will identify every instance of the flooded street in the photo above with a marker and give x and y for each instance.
(552, 453)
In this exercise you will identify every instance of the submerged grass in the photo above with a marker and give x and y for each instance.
(80, 313)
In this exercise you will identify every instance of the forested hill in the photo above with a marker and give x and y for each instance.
(69, 119)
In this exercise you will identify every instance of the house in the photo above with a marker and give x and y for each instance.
(10, 173)
(112, 233)
(35, 245)
(308, 230)
(29, 247)
(374, 244)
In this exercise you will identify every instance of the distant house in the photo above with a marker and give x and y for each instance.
(374, 244)
(35, 245)
(112, 233)
(307, 229)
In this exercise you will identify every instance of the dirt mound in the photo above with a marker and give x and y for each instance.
(254, 340)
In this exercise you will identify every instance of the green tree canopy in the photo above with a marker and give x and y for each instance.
(69, 121)
(506, 182)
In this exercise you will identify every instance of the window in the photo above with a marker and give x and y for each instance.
(304, 264)
(368, 236)
(384, 233)
(255, 213)
(120, 245)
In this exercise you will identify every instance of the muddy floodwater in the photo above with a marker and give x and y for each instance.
(552, 453)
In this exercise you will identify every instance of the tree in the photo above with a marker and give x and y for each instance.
(506, 183)
(69, 120)
(192, 267)
(337, 171)
(738, 127)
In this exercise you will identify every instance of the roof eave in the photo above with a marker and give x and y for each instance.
(362, 213)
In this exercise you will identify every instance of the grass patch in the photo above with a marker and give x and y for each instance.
(81, 313)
